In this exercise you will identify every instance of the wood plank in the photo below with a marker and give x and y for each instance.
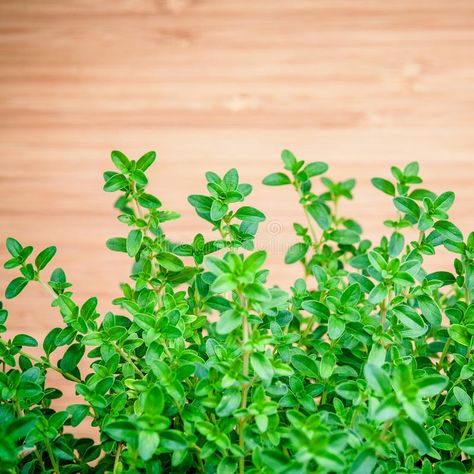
(211, 85)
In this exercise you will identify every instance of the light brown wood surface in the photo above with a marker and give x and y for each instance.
(216, 84)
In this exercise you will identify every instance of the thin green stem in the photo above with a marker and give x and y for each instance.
(308, 327)
(457, 451)
(117, 458)
(125, 356)
(444, 353)
(245, 385)
(53, 294)
(135, 201)
(48, 364)
(53, 459)
(310, 225)
(383, 312)
(198, 457)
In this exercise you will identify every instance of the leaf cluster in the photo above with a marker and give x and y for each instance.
(362, 366)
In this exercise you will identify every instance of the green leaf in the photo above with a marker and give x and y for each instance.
(276, 179)
(154, 401)
(411, 169)
(415, 435)
(15, 287)
(140, 179)
(148, 201)
(21, 340)
(229, 321)
(289, 160)
(296, 252)
(68, 307)
(315, 169)
(231, 179)
(466, 413)
(148, 442)
(201, 203)
(145, 161)
(384, 185)
(173, 440)
(117, 244)
(72, 357)
(227, 465)
(344, 236)
(261, 365)
(223, 283)
(407, 206)
(445, 277)
(348, 390)
(317, 308)
(459, 334)
(134, 242)
(305, 365)
(257, 292)
(387, 410)
(351, 295)
(21, 427)
(410, 319)
(13, 246)
(377, 261)
(320, 214)
(431, 385)
(116, 182)
(255, 260)
(397, 241)
(444, 201)
(330, 461)
(278, 463)
(467, 445)
(218, 210)
(120, 161)
(230, 402)
(44, 257)
(378, 294)
(448, 230)
(364, 463)
(430, 310)
(377, 379)
(169, 261)
(328, 364)
(78, 413)
(336, 327)
(249, 214)
(122, 431)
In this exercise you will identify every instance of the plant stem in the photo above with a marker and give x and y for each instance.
(308, 327)
(50, 366)
(444, 353)
(308, 217)
(310, 225)
(40, 460)
(53, 294)
(117, 458)
(245, 386)
(135, 201)
(383, 312)
(128, 359)
(198, 457)
(54, 461)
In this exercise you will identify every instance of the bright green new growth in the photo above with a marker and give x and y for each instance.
(364, 367)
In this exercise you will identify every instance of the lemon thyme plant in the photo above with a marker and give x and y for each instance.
(364, 366)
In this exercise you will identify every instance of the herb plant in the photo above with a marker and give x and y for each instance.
(363, 366)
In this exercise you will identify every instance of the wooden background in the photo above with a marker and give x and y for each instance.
(212, 84)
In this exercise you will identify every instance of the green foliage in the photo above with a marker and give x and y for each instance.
(363, 366)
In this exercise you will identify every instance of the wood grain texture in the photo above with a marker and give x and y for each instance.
(212, 84)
